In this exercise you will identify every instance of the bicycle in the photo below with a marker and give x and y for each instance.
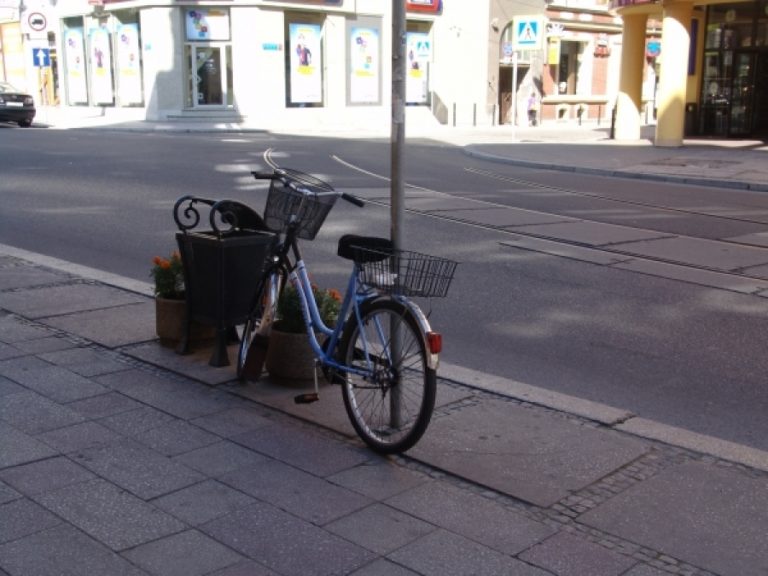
(382, 350)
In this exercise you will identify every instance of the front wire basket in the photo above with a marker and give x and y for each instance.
(404, 273)
(301, 198)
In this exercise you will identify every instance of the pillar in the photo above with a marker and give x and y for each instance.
(673, 73)
(628, 102)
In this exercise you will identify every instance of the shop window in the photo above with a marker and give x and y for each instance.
(102, 60)
(100, 64)
(364, 61)
(75, 75)
(418, 51)
(304, 61)
(761, 37)
(128, 65)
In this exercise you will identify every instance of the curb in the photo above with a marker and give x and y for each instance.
(711, 182)
(609, 416)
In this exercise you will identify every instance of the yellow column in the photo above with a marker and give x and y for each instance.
(673, 73)
(628, 102)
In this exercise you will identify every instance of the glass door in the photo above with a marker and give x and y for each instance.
(715, 93)
(742, 95)
(208, 75)
(760, 117)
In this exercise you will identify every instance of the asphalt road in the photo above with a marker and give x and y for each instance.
(686, 355)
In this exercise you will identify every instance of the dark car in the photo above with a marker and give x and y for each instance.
(16, 106)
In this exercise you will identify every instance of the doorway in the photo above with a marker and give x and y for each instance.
(506, 94)
(210, 75)
(760, 117)
(749, 95)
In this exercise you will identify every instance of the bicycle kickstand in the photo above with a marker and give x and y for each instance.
(312, 396)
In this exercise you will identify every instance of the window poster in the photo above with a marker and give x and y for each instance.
(419, 51)
(128, 64)
(207, 24)
(77, 88)
(101, 67)
(305, 64)
(364, 76)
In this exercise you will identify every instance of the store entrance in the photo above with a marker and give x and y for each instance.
(506, 94)
(760, 118)
(735, 101)
(749, 96)
(210, 75)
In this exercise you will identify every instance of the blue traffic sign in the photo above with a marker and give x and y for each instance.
(41, 57)
(527, 33)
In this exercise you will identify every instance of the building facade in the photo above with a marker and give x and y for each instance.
(712, 60)
(274, 62)
(696, 68)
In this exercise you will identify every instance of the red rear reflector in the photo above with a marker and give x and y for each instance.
(435, 342)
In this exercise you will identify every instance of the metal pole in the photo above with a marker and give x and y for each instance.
(514, 93)
(397, 192)
(398, 121)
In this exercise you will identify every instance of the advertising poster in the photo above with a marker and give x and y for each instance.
(101, 67)
(305, 64)
(77, 88)
(419, 51)
(364, 62)
(128, 64)
(207, 24)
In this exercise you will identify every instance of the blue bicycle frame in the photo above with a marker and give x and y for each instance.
(353, 297)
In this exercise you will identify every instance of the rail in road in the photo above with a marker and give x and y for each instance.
(738, 264)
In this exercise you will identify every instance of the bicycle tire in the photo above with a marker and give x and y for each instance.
(369, 403)
(253, 338)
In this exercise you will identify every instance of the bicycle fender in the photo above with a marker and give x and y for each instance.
(433, 360)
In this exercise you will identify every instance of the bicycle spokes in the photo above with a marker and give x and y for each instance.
(390, 394)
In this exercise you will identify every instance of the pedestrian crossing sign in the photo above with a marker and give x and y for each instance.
(527, 32)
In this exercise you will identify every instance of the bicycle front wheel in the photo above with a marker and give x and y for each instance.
(391, 405)
(254, 338)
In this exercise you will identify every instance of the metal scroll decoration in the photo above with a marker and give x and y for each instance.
(224, 216)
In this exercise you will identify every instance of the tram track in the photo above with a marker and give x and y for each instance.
(618, 253)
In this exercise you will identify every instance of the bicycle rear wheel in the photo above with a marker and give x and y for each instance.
(391, 407)
(254, 338)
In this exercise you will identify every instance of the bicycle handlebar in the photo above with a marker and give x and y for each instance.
(359, 202)
(351, 198)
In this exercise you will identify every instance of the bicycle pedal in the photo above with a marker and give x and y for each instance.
(306, 398)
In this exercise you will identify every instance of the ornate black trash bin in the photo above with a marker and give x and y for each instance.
(222, 266)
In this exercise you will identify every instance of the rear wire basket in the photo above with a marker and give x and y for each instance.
(404, 273)
(304, 199)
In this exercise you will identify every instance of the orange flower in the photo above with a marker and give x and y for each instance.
(168, 274)
(335, 294)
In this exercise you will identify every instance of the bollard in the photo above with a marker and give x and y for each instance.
(613, 123)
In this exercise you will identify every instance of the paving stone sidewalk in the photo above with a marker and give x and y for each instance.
(119, 457)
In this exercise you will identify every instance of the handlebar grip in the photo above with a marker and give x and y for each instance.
(264, 175)
(353, 199)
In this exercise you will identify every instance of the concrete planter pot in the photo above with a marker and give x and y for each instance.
(289, 356)
(170, 318)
